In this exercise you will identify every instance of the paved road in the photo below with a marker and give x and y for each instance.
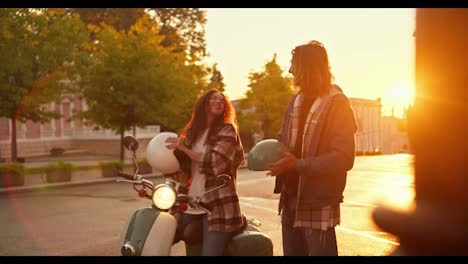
(87, 220)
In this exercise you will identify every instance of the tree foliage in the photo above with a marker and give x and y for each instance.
(133, 66)
(132, 80)
(182, 28)
(216, 79)
(266, 99)
(37, 47)
(181, 31)
(119, 18)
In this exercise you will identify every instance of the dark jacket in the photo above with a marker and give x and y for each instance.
(329, 151)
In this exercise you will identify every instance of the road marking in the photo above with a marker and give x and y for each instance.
(364, 234)
(257, 206)
(250, 181)
(341, 228)
(345, 203)
(351, 203)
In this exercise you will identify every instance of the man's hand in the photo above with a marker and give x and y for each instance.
(286, 164)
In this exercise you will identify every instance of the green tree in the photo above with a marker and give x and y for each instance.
(37, 49)
(216, 79)
(266, 100)
(119, 18)
(184, 32)
(183, 29)
(131, 80)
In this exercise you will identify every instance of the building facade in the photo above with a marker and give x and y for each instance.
(395, 135)
(368, 113)
(35, 139)
(376, 133)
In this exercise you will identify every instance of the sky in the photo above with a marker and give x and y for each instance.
(371, 51)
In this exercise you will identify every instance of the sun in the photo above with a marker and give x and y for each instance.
(402, 93)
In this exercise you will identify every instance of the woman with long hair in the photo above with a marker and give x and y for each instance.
(209, 146)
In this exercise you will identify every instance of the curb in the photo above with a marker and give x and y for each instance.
(47, 186)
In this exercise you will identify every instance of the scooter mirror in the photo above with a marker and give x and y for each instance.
(130, 143)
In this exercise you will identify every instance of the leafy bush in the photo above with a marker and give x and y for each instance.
(14, 166)
(12, 174)
(110, 168)
(59, 171)
(60, 165)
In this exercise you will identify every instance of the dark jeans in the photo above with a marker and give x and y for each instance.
(214, 243)
(305, 241)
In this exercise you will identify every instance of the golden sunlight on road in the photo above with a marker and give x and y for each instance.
(390, 179)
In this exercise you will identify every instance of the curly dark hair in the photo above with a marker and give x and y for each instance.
(197, 122)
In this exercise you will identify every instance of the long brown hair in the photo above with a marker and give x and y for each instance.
(312, 66)
(197, 122)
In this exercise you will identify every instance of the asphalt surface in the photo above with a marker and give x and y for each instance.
(87, 220)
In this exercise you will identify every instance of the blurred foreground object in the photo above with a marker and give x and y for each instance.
(437, 126)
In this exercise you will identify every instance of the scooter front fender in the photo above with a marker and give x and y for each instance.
(149, 232)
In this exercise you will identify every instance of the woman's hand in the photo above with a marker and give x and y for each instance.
(174, 142)
(286, 164)
(177, 142)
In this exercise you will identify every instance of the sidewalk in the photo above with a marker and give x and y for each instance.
(78, 160)
(45, 186)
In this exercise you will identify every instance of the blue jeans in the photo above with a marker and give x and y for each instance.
(214, 243)
(305, 241)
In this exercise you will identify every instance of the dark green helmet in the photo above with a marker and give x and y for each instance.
(263, 153)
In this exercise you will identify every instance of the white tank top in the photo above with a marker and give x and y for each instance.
(198, 179)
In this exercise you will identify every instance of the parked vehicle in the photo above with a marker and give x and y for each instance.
(153, 230)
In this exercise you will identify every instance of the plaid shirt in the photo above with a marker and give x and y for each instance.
(223, 154)
(310, 217)
(321, 219)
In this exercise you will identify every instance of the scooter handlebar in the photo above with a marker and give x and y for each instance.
(193, 202)
(125, 175)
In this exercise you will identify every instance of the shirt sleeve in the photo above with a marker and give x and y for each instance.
(340, 156)
(223, 154)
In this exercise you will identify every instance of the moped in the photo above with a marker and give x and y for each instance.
(152, 231)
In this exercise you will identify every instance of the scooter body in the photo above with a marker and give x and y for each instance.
(149, 232)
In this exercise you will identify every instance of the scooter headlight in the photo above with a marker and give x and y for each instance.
(164, 197)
